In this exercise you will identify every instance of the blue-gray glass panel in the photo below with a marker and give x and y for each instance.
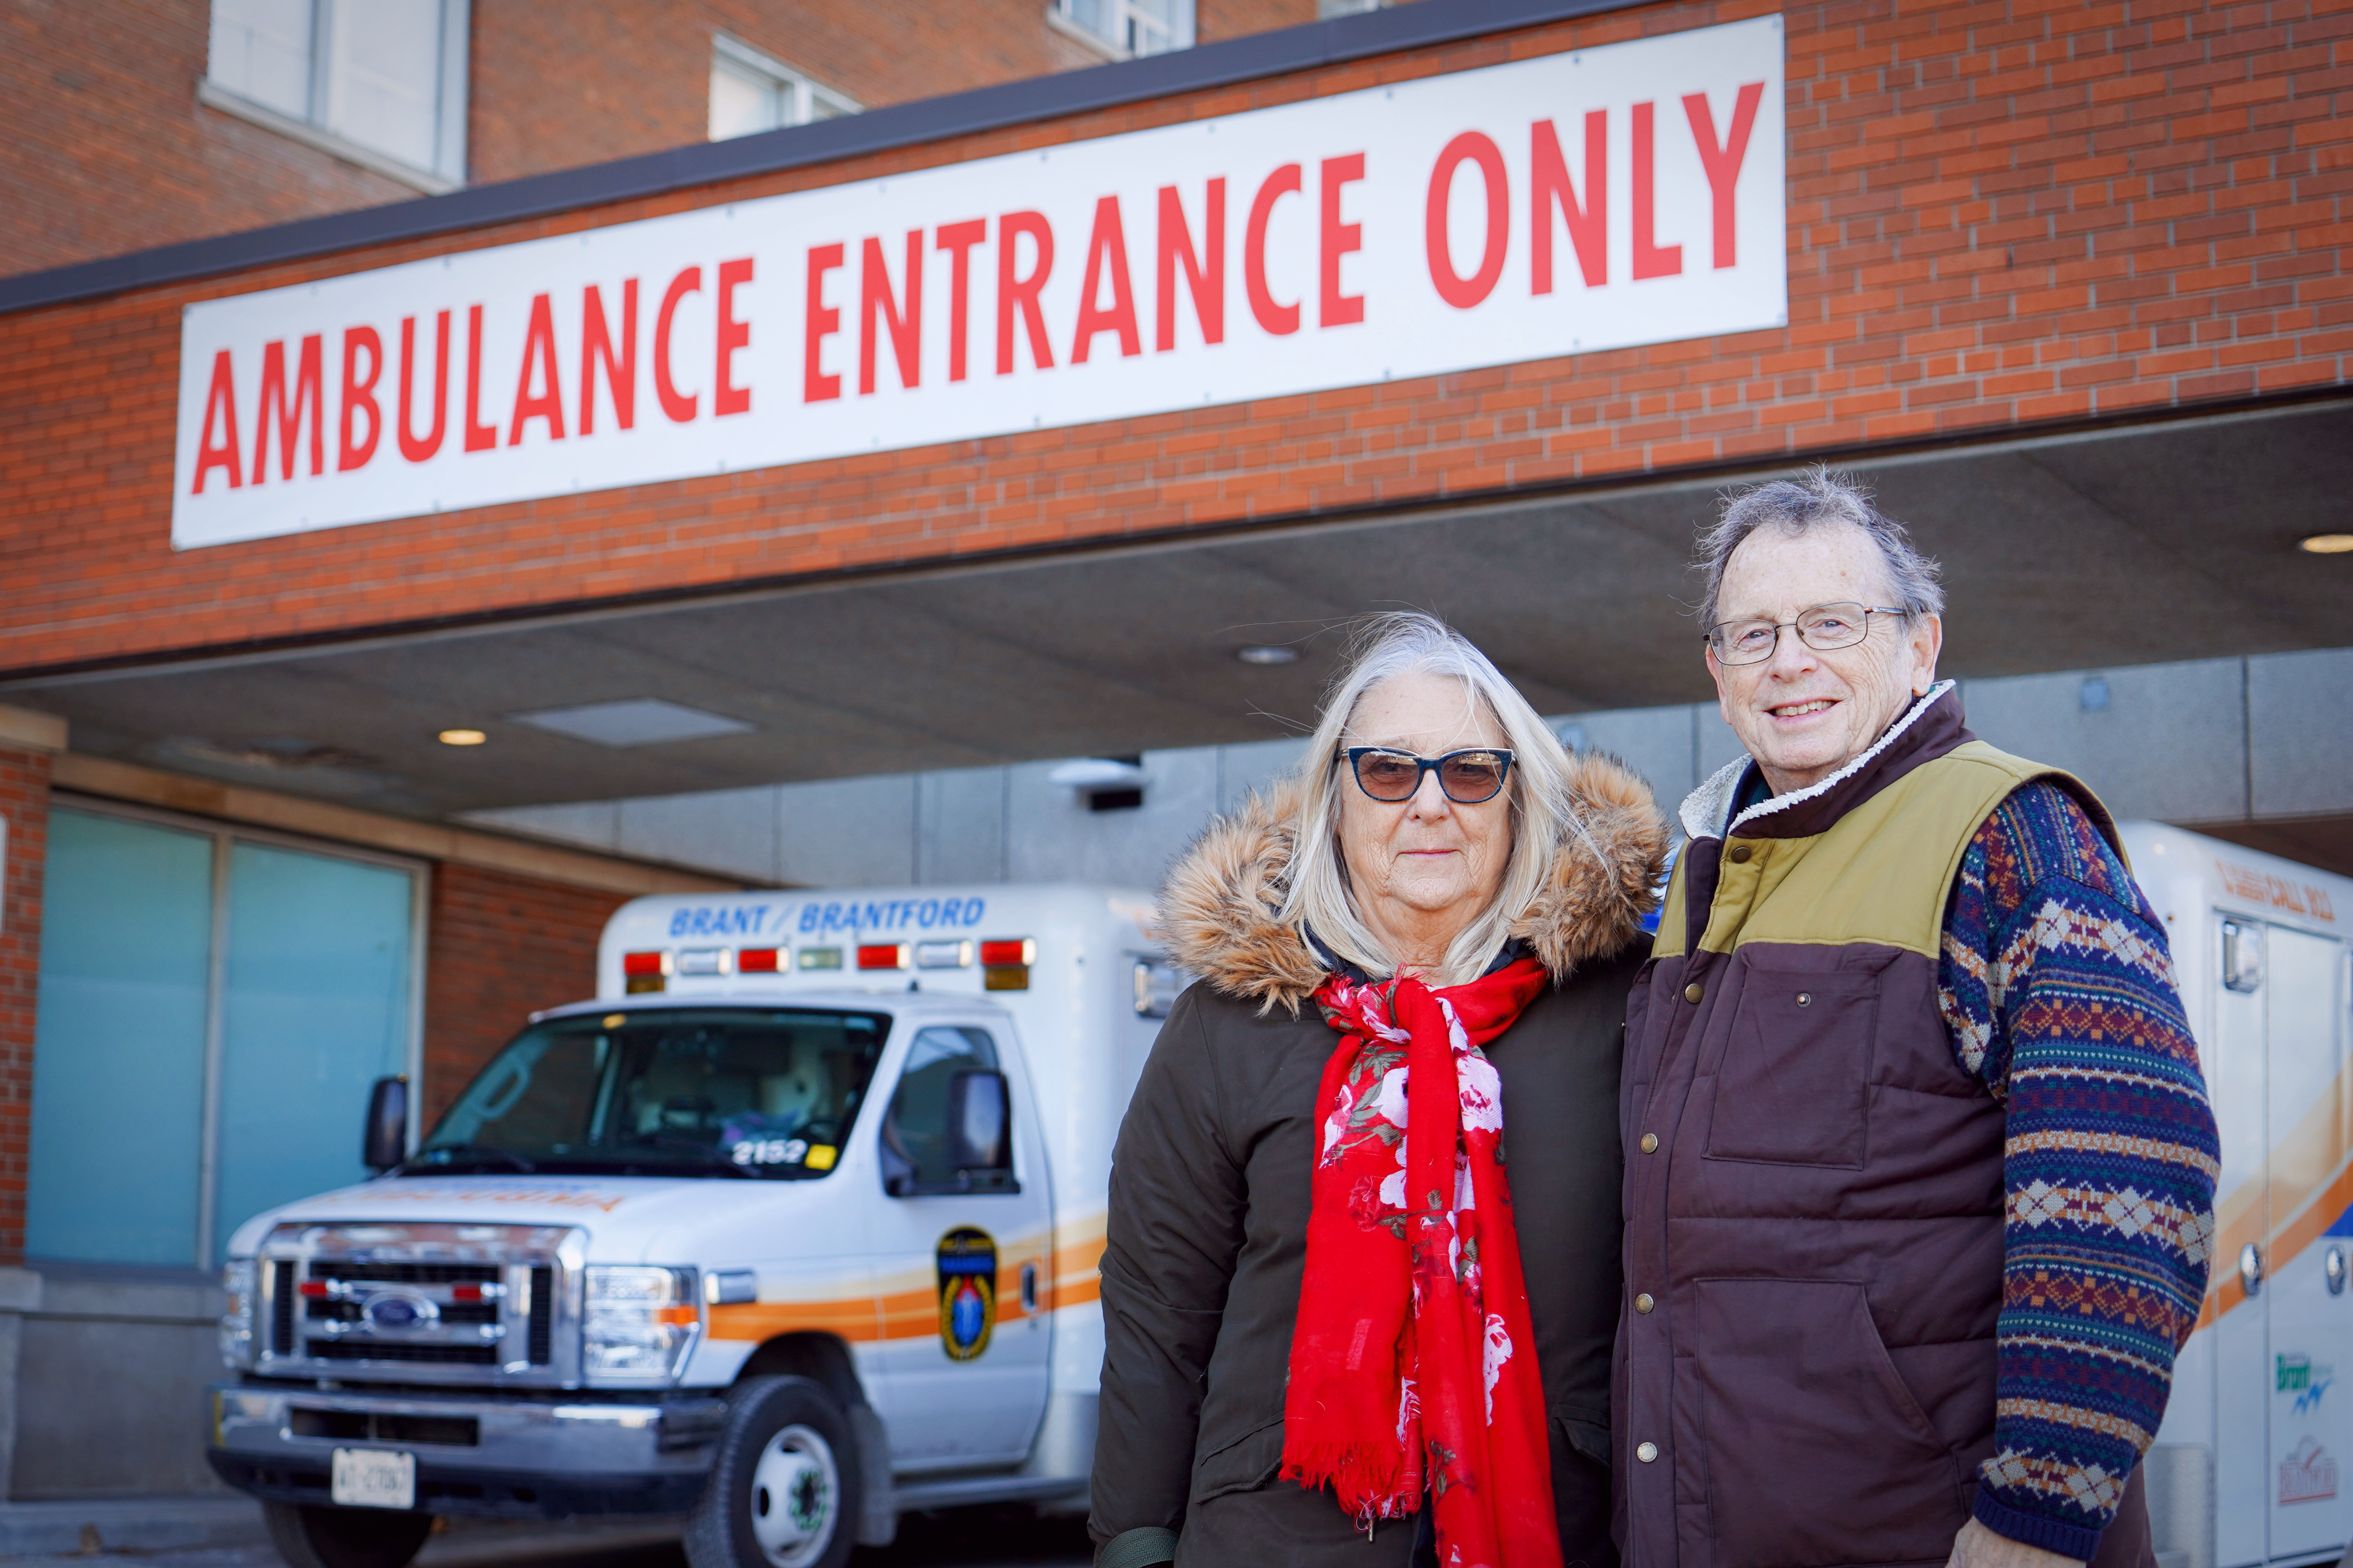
(316, 1009)
(119, 1049)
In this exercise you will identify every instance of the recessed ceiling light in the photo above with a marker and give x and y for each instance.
(462, 737)
(2327, 544)
(1268, 653)
(639, 721)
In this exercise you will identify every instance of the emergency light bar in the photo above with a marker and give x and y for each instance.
(644, 972)
(885, 956)
(759, 960)
(1005, 963)
(944, 955)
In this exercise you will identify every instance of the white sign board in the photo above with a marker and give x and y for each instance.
(1632, 194)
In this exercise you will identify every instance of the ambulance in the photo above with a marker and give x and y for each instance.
(2249, 1466)
(792, 1229)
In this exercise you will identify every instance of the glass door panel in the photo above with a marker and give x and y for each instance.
(119, 1050)
(316, 1008)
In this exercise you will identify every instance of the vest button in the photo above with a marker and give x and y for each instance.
(1693, 992)
(1805, 998)
(1738, 854)
(1643, 1303)
(1649, 1143)
(1646, 1452)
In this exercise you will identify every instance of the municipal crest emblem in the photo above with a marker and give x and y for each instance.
(967, 1265)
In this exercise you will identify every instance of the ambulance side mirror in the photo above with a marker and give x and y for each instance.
(979, 1117)
(384, 1143)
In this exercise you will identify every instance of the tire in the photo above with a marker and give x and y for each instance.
(345, 1537)
(784, 1489)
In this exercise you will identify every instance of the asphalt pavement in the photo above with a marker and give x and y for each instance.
(959, 1537)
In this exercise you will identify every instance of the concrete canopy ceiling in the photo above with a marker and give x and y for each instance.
(2170, 540)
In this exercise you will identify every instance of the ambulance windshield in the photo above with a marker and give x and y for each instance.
(717, 1091)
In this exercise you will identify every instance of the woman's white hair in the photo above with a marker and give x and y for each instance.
(1384, 647)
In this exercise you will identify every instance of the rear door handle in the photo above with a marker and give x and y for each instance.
(2251, 1270)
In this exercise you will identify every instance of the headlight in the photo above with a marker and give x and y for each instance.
(640, 1323)
(236, 1322)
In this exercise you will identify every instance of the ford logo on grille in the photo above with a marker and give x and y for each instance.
(389, 1311)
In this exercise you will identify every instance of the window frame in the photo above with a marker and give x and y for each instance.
(1182, 34)
(225, 837)
(729, 52)
(449, 172)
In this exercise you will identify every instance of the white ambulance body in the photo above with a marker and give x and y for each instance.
(860, 1137)
(2249, 1465)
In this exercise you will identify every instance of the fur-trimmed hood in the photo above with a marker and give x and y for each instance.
(1218, 908)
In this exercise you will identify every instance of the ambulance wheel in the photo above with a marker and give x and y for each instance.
(785, 1491)
(345, 1537)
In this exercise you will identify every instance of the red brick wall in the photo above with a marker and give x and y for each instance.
(104, 149)
(1215, 21)
(637, 78)
(24, 804)
(499, 948)
(2001, 213)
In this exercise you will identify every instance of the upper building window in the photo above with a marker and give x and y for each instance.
(1126, 28)
(380, 83)
(752, 92)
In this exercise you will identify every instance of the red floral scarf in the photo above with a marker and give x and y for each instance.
(1413, 1365)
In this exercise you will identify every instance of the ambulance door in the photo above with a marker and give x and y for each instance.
(2311, 1326)
(2234, 1062)
(962, 1228)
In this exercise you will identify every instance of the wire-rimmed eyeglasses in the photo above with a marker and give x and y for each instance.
(1822, 628)
(1468, 777)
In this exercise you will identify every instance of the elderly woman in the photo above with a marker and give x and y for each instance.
(1329, 1321)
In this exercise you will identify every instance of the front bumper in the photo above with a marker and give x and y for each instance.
(542, 1457)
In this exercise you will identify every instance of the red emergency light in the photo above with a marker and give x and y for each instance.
(640, 964)
(316, 1289)
(465, 1292)
(884, 955)
(759, 960)
(1010, 951)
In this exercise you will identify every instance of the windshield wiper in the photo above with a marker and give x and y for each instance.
(454, 1152)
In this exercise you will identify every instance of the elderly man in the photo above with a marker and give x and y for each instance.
(1920, 1167)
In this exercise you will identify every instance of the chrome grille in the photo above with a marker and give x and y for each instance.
(477, 1304)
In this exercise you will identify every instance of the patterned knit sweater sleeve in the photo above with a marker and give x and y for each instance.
(2058, 987)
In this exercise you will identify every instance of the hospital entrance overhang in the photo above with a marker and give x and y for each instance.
(2125, 545)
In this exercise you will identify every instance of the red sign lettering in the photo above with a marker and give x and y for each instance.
(1106, 253)
(679, 407)
(1588, 221)
(1016, 292)
(596, 344)
(1335, 308)
(307, 395)
(875, 299)
(1651, 260)
(415, 450)
(1454, 288)
(220, 411)
(1207, 277)
(1723, 163)
(1280, 320)
(538, 354)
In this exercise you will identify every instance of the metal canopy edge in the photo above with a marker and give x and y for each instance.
(1034, 98)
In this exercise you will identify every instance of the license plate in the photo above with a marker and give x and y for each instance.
(374, 1477)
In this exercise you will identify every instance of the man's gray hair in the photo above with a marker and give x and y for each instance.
(1790, 507)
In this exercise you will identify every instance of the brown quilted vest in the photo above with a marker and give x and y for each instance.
(1813, 1197)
